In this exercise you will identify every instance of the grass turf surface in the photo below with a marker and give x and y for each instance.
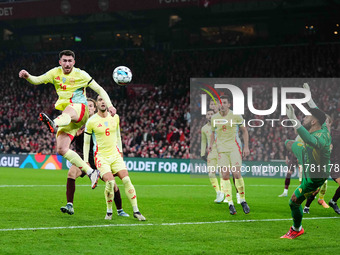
(162, 199)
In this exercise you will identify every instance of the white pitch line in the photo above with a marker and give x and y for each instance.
(88, 185)
(161, 224)
(151, 185)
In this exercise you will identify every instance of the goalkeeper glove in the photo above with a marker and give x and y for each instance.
(310, 103)
(291, 115)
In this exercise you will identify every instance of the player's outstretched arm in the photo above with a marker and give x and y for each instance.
(302, 132)
(36, 80)
(310, 103)
(97, 88)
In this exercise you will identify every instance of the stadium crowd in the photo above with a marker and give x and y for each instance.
(156, 121)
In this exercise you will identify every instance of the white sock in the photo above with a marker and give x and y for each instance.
(242, 200)
(109, 211)
(135, 209)
(285, 191)
(299, 229)
(89, 171)
(230, 203)
(70, 203)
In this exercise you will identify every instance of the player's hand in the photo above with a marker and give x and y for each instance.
(310, 103)
(80, 131)
(112, 110)
(209, 149)
(287, 160)
(291, 115)
(306, 86)
(246, 152)
(23, 74)
(204, 158)
(290, 112)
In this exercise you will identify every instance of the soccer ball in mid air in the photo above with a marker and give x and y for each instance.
(122, 75)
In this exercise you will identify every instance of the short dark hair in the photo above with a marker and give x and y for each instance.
(210, 110)
(318, 114)
(67, 53)
(225, 97)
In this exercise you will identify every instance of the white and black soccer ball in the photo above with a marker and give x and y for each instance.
(122, 75)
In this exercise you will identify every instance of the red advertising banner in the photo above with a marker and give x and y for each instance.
(39, 8)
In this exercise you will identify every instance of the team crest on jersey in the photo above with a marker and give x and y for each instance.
(72, 81)
(63, 79)
(106, 124)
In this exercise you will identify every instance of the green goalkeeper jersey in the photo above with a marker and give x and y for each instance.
(314, 153)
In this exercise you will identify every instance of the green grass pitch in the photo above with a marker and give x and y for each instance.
(38, 227)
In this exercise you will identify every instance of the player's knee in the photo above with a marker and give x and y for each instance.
(293, 204)
(71, 175)
(62, 150)
(109, 185)
(126, 180)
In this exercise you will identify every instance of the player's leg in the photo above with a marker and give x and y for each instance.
(130, 193)
(118, 202)
(239, 184)
(309, 201)
(306, 189)
(236, 163)
(70, 113)
(287, 183)
(109, 180)
(322, 193)
(297, 214)
(212, 167)
(333, 201)
(223, 163)
(73, 173)
(63, 148)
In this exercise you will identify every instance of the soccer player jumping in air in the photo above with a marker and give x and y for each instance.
(314, 157)
(70, 83)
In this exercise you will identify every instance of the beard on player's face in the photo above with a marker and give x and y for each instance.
(102, 108)
(307, 124)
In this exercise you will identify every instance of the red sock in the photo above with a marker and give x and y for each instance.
(70, 189)
(287, 180)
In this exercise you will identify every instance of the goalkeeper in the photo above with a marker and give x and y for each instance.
(314, 156)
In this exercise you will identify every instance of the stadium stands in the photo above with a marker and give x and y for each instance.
(157, 123)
